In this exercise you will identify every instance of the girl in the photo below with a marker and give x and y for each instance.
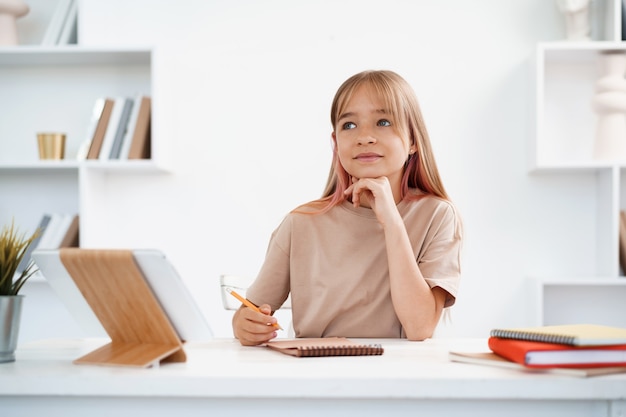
(379, 254)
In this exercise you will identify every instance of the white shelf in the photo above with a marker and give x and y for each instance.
(139, 166)
(576, 166)
(566, 74)
(565, 78)
(582, 281)
(72, 55)
(581, 300)
(142, 166)
(55, 89)
(9, 168)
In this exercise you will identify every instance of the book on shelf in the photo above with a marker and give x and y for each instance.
(491, 359)
(57, 22)
(542, 354)
(69, 30)
(100, 127)
(71, 237)
(327, 346)
(122, 127)
(59, 223)
(48, 236)
(622, 240)
(43, 223)
(96, 113)
(583, 334)
(115, 124)
(140, 104)
(140, 131)
(62, 230)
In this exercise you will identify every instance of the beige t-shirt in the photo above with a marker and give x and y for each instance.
(335, 266)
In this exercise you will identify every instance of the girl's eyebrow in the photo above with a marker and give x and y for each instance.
(351, 114)
(345, 115)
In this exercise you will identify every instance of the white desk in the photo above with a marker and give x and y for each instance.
(223, 378)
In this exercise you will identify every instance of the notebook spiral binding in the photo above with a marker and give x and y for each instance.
(533, 337)
(355, 350)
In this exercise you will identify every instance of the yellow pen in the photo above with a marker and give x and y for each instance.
(248, 304)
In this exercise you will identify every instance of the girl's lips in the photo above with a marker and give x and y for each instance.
(368, 157)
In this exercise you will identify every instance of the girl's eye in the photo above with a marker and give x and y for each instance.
(383, 122)
(348, 125)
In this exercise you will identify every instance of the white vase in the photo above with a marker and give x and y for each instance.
(609, 103)
(10, 313)
(10, 10)
(577, 19)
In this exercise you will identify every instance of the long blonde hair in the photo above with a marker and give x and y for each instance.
(420, 169)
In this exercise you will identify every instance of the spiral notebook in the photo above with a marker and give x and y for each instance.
(567, 334)
(324, 346)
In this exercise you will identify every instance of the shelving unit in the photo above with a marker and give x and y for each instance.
(565, 77)
(54, 89)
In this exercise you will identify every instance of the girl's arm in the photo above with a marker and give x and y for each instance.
(417, 306)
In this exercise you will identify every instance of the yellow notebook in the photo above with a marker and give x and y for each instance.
(567, 334)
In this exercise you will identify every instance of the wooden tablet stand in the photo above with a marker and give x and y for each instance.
(117, 292)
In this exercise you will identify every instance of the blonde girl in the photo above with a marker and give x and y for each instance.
(378, 256)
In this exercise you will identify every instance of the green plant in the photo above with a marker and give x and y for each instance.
(13, 248)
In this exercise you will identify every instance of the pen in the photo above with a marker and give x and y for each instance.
(248, 303)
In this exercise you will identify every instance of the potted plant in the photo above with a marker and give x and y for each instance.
(13, 248)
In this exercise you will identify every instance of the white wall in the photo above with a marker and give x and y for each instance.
(244, 94)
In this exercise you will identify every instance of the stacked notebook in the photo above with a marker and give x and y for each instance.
(576, 349)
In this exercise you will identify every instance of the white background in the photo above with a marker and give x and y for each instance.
(244, 97)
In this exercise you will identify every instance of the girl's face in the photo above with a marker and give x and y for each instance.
(367, 139)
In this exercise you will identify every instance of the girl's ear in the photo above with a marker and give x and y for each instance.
(333, 140)
(412, 149)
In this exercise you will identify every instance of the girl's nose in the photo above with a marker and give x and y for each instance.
(366, 138)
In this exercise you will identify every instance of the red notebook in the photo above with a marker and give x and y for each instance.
(546, 355)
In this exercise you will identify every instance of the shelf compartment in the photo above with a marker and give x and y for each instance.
(566, 73)
(29, 194)
(57, 89)
(597, 300)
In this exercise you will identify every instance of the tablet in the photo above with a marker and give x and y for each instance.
(160, 275)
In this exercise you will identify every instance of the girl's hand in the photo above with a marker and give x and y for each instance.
(375, 193)
(253, 328)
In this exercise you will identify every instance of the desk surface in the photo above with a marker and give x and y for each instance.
(221, 368)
